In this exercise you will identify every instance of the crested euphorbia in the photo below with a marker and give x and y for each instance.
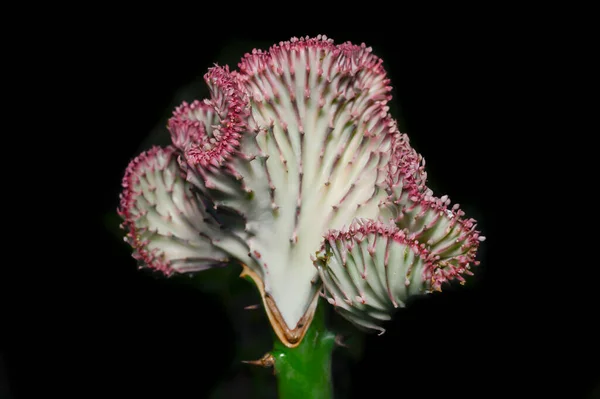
(294, 168)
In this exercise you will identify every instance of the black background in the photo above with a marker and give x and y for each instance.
(117, 331)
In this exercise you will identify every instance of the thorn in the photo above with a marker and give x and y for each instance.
(339, 341)
(252, 307)
(266, 361)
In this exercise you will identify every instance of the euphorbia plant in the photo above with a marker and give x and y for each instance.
(295, 169)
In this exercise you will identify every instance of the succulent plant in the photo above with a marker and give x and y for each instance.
(295, 169)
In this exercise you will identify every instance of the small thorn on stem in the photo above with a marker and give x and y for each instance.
(266, 361)
(339, 341)
(252, 307)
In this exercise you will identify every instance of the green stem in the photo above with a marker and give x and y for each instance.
(305, 371)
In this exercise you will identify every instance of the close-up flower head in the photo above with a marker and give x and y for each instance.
(294, 168)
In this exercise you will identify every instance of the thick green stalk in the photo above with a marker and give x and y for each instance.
(305, 371)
